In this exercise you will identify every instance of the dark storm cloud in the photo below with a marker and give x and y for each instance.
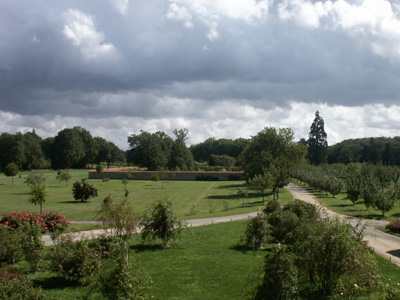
(152, 59)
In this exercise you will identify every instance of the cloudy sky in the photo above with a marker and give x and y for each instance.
(220, 68)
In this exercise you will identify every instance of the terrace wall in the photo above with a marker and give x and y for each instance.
(178, 175)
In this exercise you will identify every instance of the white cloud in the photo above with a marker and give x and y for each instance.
(374, 22)
(122, 6)
(180, 14)
(81, 30)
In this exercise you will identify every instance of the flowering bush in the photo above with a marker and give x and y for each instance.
(48, 221)
(394, 226)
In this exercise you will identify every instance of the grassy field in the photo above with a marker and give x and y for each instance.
(208, 264)
(341, 204)
(191, 199)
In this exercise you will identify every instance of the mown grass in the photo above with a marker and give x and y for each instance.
(342, 205)
(191, 199)
(208, 264)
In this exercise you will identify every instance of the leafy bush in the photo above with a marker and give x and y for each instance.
(119, 216)
(106, 246)
(15, 285)
(257, 232)
(122, 278)
(394, 226)
(272, 206)
(161, 222)
(280, 281)
(32, 245)
(10, 241)
(74, 261)
(83, 190)
(303, 209)
(51, 221)
(283, 225)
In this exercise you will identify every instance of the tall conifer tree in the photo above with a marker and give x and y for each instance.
(317, 141)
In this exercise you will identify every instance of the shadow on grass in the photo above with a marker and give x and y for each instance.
(53, 283)
(394, 253)
(74, 202)
(146, 247)
(232, 186)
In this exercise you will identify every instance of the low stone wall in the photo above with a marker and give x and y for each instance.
(168, 175)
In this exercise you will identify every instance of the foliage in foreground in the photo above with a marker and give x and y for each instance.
(15, 285)
(161, 222)
(51, 221)
(121, 278)
(327, 257)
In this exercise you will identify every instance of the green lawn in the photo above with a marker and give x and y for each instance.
(184, 195)
(341, 204)
(208, 264)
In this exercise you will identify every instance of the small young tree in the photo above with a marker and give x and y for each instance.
(243, 194)
(155, 178)
(119, 217)
(384, 199)
(11, 170)
(161, 222)
(261, 183)
(38, 194)
(124, 182)
(83, 190)
(63, 176)
(35, 178)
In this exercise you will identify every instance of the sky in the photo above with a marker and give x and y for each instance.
(220, 68)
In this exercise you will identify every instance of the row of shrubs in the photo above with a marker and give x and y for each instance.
(48, 221)
(312, 257)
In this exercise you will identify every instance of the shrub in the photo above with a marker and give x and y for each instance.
(302, 209)
(331, 254)
(257, 232)
(161, 222)
(283, 225)
(83, 190)
(119, 216)
(394, 226)
(15, 285)
(106, 246)
(10, 241)
(32, 245)
(51, 221)
(122, 278)
(280, 280)
(272, 206)
(74, 261)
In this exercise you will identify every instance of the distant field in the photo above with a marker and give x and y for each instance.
(341, 204)
(185, 195)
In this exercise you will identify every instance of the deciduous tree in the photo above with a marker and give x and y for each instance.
(11, 170)
(38, 194)
(83, 190)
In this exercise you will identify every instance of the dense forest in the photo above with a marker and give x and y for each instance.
(77, 148)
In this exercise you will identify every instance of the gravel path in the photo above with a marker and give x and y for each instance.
(386, 245)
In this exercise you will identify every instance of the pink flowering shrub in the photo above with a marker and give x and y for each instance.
(394, 226)
(52, 221)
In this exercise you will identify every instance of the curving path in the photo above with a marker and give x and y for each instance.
(386, 245)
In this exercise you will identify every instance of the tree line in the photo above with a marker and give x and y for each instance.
(71, 148)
